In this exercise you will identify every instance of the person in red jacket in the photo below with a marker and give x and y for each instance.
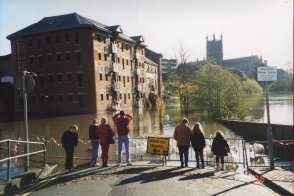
(182, 135)
(122, 122)
(102, 132)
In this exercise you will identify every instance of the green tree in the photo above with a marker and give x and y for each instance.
(250, 86)
(219, 92)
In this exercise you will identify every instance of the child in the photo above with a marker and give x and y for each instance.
(220, 148)
(69, 141)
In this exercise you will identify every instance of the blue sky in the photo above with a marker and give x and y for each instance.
(250, 27)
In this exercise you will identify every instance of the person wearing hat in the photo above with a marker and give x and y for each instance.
(69, 140)
(122, 121)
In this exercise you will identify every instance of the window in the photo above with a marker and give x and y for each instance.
(60, 98)
(57, 39)
(31, 60)
(81, 100)
(104, 39)
(78, 58)
(118, 59)
(127, 62)
(51, 98)
(59, 78)
(119, 78)
(69, 77)
(125, 99)
(98, 38)
(39, 43)
(67, 56)
(30, 43)
(80, 80)
(101, 77)
(101, 97)
(41, 78)
(50, 78)
(129, 96)
(70, 98)
(49, 58)
(120, 96)
(105, 57)
(58, 57)
(77, 37)
(128, 79)
(43, 101)
(99, 56)
(66, 37)
(34, 98)
(107, 96)
(48, 40)
(124, 80)
(106, 77)
(40, 62)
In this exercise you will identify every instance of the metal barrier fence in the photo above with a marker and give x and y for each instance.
(283, 150)
(138, 152)
(12, 147)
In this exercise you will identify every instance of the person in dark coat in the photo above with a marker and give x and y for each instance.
(69, 140)
(94, 142)
(220, 148)
(198, 143)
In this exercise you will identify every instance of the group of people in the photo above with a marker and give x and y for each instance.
(195, 137)
(102, 135)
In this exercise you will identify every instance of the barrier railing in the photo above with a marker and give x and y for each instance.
(283, 150)
(14, 150)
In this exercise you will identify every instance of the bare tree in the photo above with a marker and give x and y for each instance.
(181, 55)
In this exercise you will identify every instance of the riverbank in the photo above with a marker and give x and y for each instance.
(252, 131)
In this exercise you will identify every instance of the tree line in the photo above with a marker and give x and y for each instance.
(212, 88)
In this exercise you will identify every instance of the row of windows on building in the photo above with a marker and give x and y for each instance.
(58, 58)
(120, 45)
(71, 98)
(57, 39)
(60, 79)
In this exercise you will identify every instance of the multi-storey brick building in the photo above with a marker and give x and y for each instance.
(83, 66)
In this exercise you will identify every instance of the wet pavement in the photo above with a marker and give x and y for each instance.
(144, 178)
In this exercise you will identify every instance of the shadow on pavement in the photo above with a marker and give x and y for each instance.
(155, 175)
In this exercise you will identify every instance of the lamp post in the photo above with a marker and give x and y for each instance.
(27, 85)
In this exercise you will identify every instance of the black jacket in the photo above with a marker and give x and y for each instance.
(198, 141)
(92, 132)
(70, 139)
(220, 146)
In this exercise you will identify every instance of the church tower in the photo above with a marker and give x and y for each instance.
(214, 49)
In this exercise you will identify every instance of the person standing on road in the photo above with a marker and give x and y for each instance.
(182, 135)
(198, 143)
(122, 121)
(220, 148)
(94, 142)
(104, 131)
(69, 140)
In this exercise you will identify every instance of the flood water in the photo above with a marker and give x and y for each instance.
(160, 122)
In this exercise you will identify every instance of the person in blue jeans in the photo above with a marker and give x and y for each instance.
(122, 121)
(94, 142)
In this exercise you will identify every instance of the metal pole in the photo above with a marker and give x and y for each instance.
(269, 130)
(8, 161)
(25, 106)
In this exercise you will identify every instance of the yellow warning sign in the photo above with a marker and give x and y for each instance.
(158, 145)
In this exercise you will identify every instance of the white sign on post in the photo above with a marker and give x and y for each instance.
(266, 74)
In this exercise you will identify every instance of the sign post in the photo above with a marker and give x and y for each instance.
(268, 74)
(159, 146)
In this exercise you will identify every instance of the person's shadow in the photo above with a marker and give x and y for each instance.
(152, 176)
